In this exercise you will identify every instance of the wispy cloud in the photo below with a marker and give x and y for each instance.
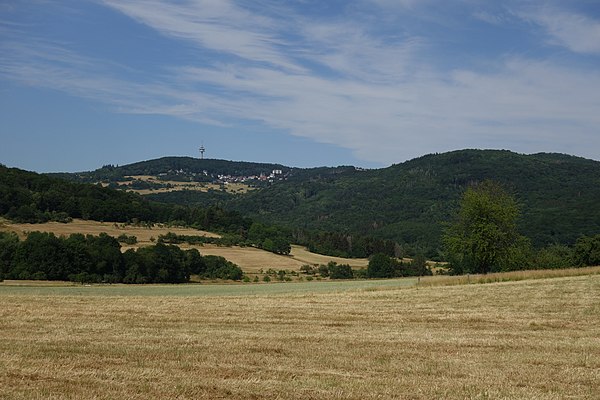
(576, 32)
(334, 81)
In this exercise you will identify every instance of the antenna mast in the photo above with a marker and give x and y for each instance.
(202, 150)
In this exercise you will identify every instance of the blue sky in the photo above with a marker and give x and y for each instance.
(301, 82)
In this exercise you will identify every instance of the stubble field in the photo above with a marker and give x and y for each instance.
(532, 339)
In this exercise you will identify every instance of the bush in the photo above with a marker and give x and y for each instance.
(124, 238)
(323, 271)
(343, 271)
(587, 251)
(554, 257)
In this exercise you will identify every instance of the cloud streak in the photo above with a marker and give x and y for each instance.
(337, 81)
(576, 32)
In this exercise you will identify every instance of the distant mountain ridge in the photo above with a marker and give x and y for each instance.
(407, 202)
(172, 165)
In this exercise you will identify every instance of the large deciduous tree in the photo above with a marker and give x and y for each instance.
(484, 238)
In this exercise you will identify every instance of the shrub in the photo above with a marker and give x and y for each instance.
(343, 271)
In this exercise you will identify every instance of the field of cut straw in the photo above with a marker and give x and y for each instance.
(529, 339)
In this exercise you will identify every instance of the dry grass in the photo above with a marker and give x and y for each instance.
(143, 234)
(250, 259)
(304, 256)
(178, 185)
(507, 276)
(537, 339)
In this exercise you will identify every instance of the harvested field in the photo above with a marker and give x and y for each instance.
(250, 259)
(537, 339)
(236, 188)
(143, 234)
(304, 256)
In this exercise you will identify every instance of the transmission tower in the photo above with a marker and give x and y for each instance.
(202, 150)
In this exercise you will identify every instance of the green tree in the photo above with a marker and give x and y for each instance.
(587, 251)
(9, 242)
(339, 271)
(381, 266)
(484, 236)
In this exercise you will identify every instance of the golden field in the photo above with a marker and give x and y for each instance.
(236, 188)
(531, 339)
(144, 234)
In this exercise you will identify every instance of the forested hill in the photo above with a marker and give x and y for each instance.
(410, 202)
(30, 197)
(188, 167)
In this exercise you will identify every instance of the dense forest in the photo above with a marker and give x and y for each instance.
(407, 203)
(410, 203)
(401, 210)
(87, 258)
(33, 198)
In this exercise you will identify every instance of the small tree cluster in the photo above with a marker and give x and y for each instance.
(90, 258)
(484, 236)
(383, 266)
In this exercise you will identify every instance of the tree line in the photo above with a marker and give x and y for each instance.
(484, 237)
(87, 258)
(27, 197)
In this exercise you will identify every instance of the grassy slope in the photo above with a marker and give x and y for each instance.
(529, 339)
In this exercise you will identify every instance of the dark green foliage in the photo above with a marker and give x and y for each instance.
(409, 202)
(484, 237)
(381, 266)
(406, 203)
(269, 238)
(176, 168)
(323, 270)
(30, 197)
(42, 256)
(192, 198)
(9, 243)
(343, 245)
(81, 258)
(124, 238)
(219, 268)
(587, 251)
(417, 267)
(339, 271)
(553, 257)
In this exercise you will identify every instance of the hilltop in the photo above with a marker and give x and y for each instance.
(410, 202)
(407, 202)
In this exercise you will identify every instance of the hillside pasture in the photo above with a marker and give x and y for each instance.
(304, 256)
(144, 234)
(236, 188)
(532, 339)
